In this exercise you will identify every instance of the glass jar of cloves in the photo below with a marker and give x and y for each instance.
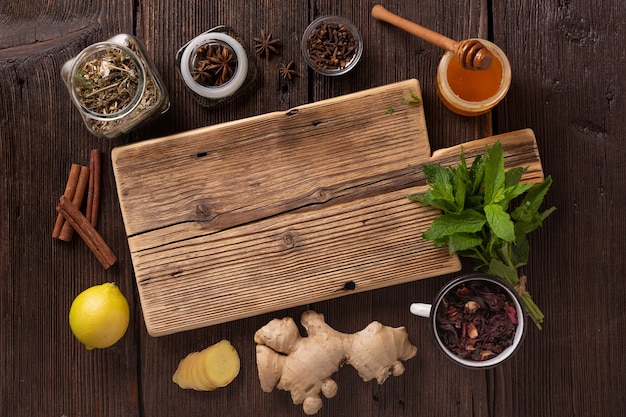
(115, 86)
(216, 67)
(331, 45)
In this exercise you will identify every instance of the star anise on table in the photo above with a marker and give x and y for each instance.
(266, 45)
(287, 71)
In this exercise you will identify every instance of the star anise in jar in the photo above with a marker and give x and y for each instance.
(223, 64)
(266, 45)
(201, 73)
(215, 65)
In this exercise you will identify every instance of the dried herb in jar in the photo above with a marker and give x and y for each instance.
(331, 46)
(108, 82)
(477, 321)
(115, 86)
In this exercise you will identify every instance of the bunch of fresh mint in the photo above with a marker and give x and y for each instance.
(487, 214)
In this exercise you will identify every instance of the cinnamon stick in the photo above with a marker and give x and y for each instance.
(93, 193)
(70, 189)
(89, 205)
(87, 232)
(81, 187)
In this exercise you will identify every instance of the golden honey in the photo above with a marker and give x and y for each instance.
(474, 85)
(473, 92)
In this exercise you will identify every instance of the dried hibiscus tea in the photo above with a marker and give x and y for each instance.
(477, 320)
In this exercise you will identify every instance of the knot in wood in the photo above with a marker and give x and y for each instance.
(288, 240)
(203, 212)
(321, 195)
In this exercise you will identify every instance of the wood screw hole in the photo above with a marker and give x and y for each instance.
(349, 286)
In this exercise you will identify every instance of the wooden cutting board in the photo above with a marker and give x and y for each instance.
(287, 208)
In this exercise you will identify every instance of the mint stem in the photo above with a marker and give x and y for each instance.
(532, 309)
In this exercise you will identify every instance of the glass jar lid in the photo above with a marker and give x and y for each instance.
(226, 89)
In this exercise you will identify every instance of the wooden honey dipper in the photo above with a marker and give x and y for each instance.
(471, 53)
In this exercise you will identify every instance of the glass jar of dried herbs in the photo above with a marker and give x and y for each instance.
(216, 67)
(115, 86)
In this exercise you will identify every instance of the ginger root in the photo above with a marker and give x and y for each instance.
(304, 365)
(209, 369)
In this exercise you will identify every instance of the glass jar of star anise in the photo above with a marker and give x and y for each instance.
(216, 67)
(115, 86)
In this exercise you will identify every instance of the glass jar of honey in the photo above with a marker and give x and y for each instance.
(473, 92)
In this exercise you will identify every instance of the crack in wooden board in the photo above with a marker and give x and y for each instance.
(284, 209)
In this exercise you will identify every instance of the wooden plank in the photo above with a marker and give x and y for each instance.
(281, 210)
(241, 171)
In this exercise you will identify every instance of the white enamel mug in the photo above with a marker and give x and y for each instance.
(431, 312)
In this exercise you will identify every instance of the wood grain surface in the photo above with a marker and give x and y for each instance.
(322, 214)
(568, 87)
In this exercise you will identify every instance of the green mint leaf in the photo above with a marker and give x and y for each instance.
(499, 197)
(493, 244)
(468, 221)
(532, 201)
(441, 193)
(414, 98)
(516, 190)
(546, 213)
(460, 242)
(462, 172)
(500, 269)
(519, 252)
(429, 199)
(513, 176)
(477, 174)
(459, 194)
(494, 173)
(531, 221)
(500, 222)
(474, 202)
(440, 180)
(439, 177)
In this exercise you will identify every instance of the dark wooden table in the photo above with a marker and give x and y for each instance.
(569, 86)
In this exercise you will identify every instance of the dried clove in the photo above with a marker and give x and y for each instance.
(331, 46)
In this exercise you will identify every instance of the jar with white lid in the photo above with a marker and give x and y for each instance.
(115, 86)
(216, 67)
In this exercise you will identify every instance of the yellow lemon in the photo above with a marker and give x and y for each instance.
(99, 316)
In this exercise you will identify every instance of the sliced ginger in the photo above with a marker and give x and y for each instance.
(304, 365)
(209, 369)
